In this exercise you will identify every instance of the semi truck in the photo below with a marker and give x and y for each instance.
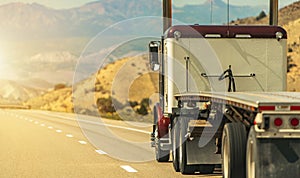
(223, 100)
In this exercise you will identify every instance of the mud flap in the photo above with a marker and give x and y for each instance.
(278, 158)
(204, 155)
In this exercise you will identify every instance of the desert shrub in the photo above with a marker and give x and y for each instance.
(261, 15)
(59, 86)
(106, 105)
(133, 103)
(144, 107)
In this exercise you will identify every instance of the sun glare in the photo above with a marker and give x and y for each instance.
(3, 65)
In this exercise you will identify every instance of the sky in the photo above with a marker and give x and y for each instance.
(64, 4)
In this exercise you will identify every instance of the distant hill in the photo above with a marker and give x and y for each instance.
(14, 93)
(286, 15)
(56, 100)
(108, 83)
(35, 21)
(215, 14)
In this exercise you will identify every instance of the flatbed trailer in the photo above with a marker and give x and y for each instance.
(240, 130)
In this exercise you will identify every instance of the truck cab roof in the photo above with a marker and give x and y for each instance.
(225, 31)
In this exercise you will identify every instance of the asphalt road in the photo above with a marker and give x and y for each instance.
(49, 144)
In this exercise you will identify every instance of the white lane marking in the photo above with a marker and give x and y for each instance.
(82, 142)
(128, 168)
(43, 125)
(50, 127)
(98, 123)
(59, 131)
(69, 135)
(101, 152)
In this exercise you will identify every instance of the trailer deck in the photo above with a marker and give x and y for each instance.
(284, 101)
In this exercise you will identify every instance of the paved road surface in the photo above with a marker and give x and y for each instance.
(49, 144)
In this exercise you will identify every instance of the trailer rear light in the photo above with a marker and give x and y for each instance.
(279, 108)
(294, 122)
(295, 108)
(266, 108)
(278, 122)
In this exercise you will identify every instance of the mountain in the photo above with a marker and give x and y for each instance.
(19, 20)
(213, 13)
(35, 21)
(287, 14)
(14, 93)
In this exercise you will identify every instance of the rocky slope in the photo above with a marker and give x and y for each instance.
(125, 81)
(15, 93)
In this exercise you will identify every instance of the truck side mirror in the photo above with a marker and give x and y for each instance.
(154, 55)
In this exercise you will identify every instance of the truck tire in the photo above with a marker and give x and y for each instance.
(175, 144)
(251, 157)
(184, 168)
(234, 150)
(206, 168)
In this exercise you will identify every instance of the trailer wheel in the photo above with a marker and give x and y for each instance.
(175, 144)
(234, 150)
(184, 168)
(251, 156)
(206, 168)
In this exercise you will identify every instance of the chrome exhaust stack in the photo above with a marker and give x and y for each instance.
(273, 20)
(167, 14)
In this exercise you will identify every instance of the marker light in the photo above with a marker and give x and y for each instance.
(294, 122)
(177, 35)
(278, 122)
(279, 36)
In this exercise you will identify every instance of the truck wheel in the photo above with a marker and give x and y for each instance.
(206, 168)
(234, 150)
(175, 144)
(251, 156)
(184, 168)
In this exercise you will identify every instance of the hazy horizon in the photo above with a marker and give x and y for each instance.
(65, 4)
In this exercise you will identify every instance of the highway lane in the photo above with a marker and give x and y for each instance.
(49, 144)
